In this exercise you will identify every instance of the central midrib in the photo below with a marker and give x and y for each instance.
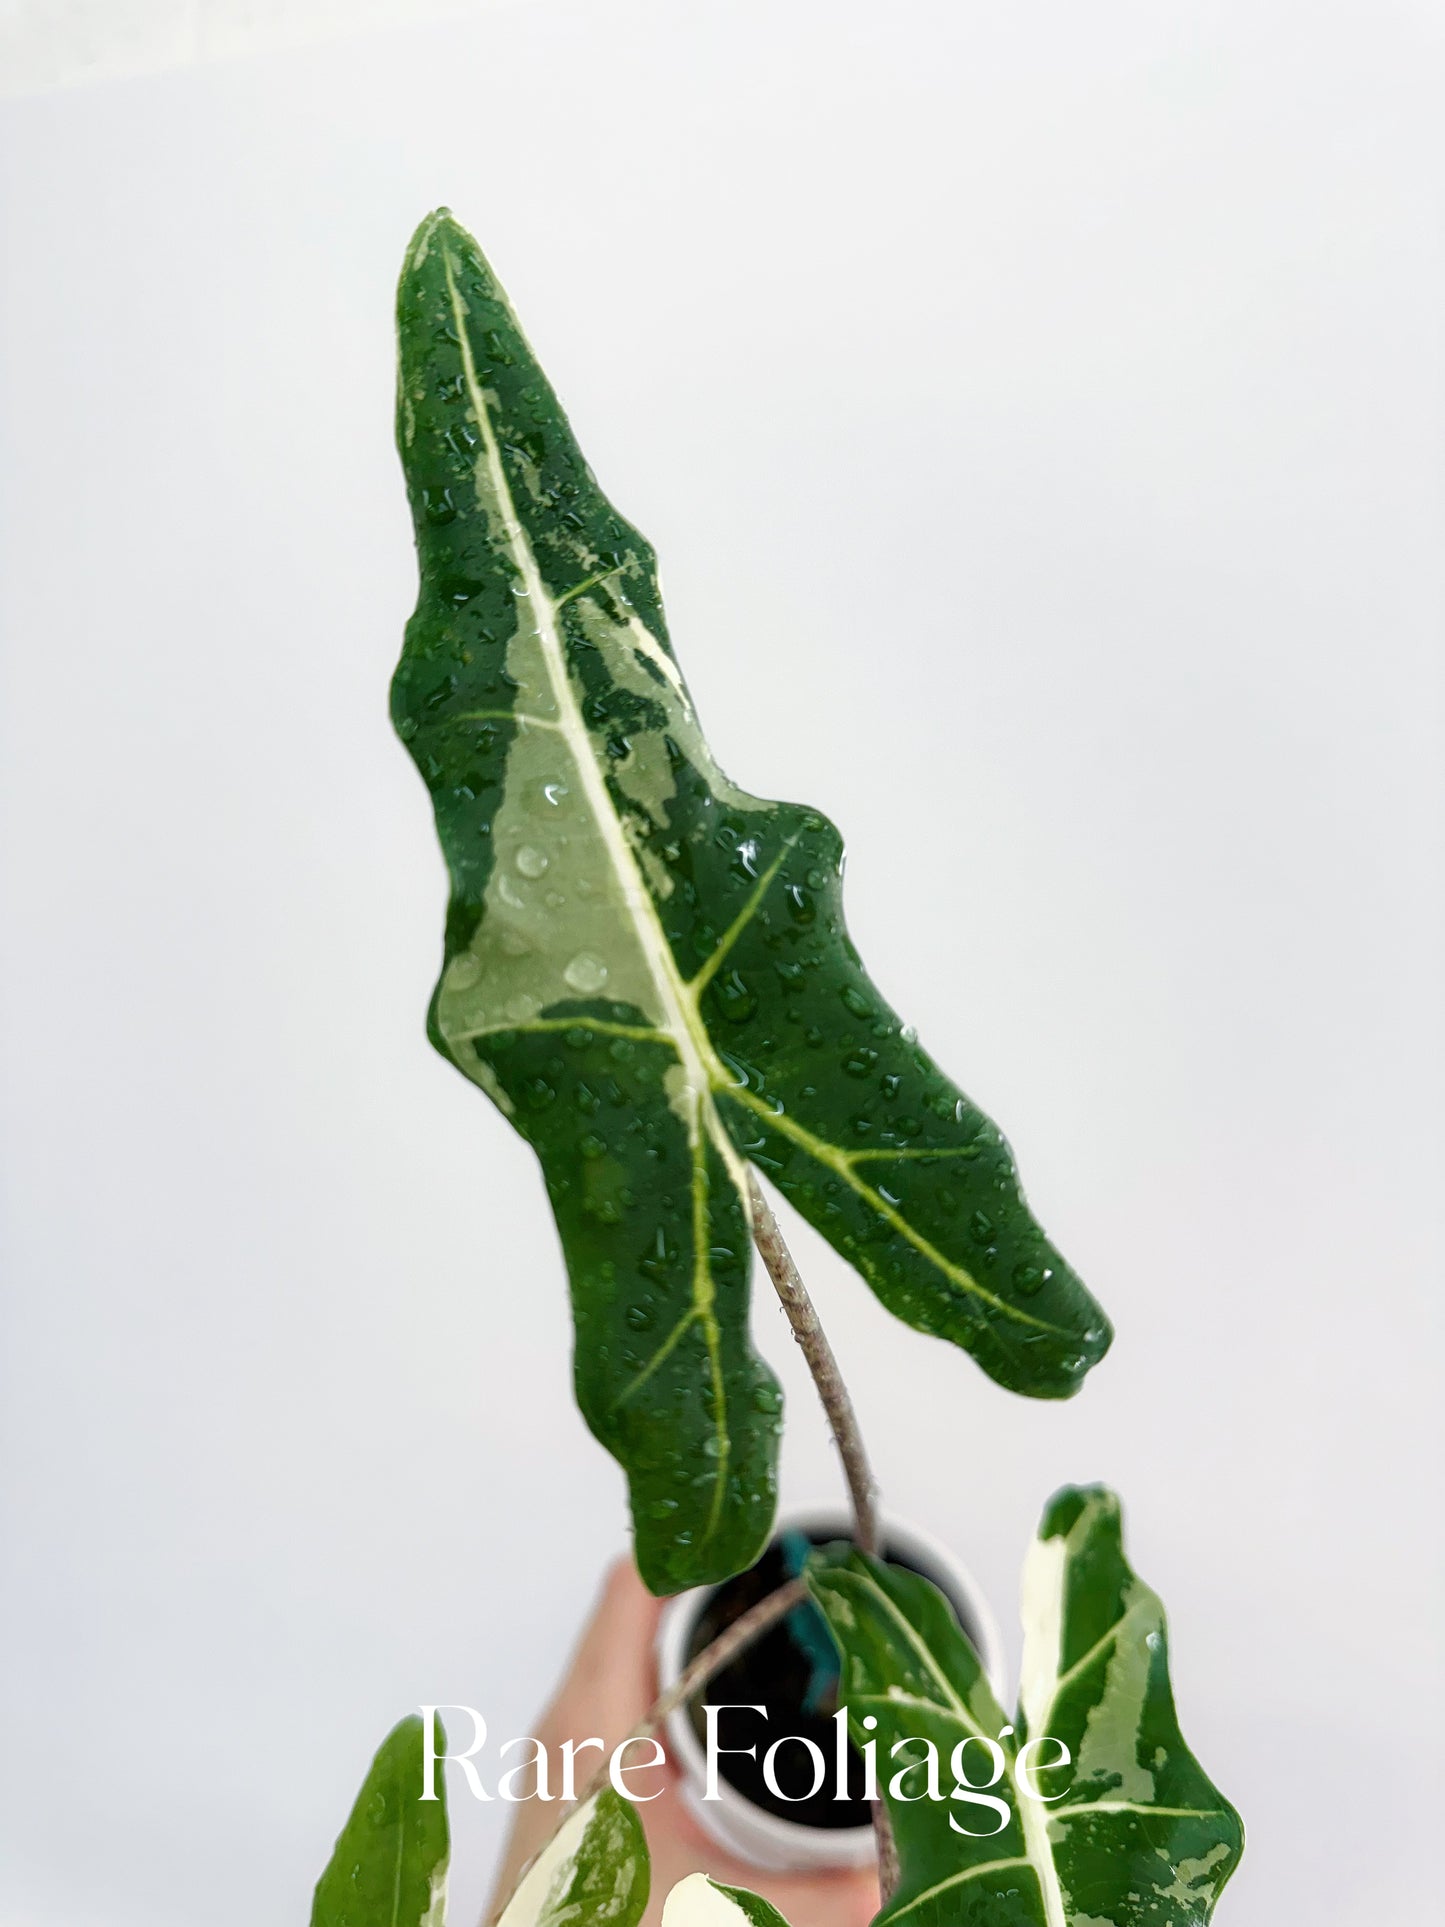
(1032, 1819)
(700, 1065)
(1035, 1822)
(680, 1020)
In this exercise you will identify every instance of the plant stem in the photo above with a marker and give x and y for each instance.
(813, 1341)
(729, 1644)
(887, 1852)
(838, 1405)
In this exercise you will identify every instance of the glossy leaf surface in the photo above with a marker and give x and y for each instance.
(647, 968)
(1133, 1833)
(389, 1866)
(595, 1869)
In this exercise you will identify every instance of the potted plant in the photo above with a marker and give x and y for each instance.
(648, 970)
(767, 1803)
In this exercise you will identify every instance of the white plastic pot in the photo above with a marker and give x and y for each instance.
(766, 1840)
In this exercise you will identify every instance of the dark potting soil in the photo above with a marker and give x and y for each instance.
(782, 1672)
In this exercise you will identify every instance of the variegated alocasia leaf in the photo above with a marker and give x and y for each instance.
(700, 1902)
(1133, 1833)
(595, 1868)
(389, 1868)
(647, 968)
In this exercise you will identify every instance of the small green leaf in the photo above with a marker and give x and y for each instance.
(594, 1869)
(700, 1902)
(1134, 1834)
(648, 969)
(389, 1868)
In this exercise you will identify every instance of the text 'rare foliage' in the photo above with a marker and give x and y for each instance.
(1101, 1816)
(647, 968)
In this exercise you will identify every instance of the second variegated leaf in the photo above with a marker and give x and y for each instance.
(1126, 1830)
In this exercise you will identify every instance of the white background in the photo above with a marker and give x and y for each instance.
(1037, 409)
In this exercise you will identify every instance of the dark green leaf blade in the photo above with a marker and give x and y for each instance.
(665, 1374)
(880, 1151)
(1134, 1833)
(610, 884)
(389, 1865)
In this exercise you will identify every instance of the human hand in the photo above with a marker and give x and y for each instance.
(607, 1691)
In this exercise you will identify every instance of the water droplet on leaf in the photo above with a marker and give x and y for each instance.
(737, 1000)
(586, 974)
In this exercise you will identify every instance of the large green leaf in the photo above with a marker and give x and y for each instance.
(648, 969)
(595, 1868)
(389, 1868)
(1134, 1833)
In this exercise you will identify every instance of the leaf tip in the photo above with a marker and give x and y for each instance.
(1071, 1503)
(424, 239)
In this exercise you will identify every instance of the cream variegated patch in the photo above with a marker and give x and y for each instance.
(543, 1887)
(594, 1870)
(700, 1902)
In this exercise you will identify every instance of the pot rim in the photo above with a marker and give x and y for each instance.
(766, 1840)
